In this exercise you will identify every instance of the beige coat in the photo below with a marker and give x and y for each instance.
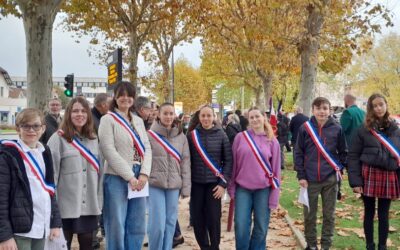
(166, 172)
(118, 149)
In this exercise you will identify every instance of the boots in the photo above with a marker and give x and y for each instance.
(382, 247)
(371, 246)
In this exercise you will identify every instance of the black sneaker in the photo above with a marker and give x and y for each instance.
(177, 242)
(146, 244)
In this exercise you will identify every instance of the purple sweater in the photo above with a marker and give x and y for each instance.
(247, 172)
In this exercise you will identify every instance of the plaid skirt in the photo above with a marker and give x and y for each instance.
(380, 183)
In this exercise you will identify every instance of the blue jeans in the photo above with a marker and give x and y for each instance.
(246, 202)
(124, 220)
(163, 213)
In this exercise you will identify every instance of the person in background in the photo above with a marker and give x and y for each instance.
(283, 135)
(318, 167)
(127, 151)
(154, 112)
(185, 123)
(254, 192)
(352, 118)
(232, 127)
(100, 108)
(372, 168)
(52, 119)
(169, 177)
(208, 141)
(144, 110)
(244, 122)
(28, 212)
(77, 173)
(295, 123)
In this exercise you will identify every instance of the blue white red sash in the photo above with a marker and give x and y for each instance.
(321, 148)
(261, 160)
(204, 155)
(166, 145)
(33, 165)
(135, 137)
(387, 143)
(85, 152)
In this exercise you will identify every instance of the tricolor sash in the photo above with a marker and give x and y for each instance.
(85, 152)
(166, 145)
(204, 155)
(33, 165)
(324, 151)
(135, 137)
(261, 160)
(388, 144)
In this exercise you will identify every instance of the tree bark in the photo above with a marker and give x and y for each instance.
(308, 48)
(134, 50)
(38, 22)
(266, 79)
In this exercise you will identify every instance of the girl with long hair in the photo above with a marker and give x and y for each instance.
(169, 177)
(211, 164)
(77, 172)
(255, 181)
(127, 151)
(372, 167)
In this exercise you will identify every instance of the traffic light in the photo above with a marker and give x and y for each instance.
(69, 85)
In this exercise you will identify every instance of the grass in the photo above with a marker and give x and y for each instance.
(349, 212)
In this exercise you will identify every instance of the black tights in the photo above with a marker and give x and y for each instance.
(383, 217)
(84, 239)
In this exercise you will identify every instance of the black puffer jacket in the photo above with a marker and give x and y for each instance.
(16, 206)
(217, 145)
(309, 162)
(367, 149)
(232, 129)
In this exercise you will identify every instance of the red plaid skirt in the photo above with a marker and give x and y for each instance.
(380, 183)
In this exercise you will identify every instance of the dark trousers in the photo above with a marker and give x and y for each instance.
(178, 232)
(383, 218)
(206, 211)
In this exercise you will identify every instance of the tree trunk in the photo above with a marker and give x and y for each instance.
(257, 94)
(38, 22)
(309, 55)
(166, 81)
(266, 79)
(134, 50)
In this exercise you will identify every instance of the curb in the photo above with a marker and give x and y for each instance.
(297, 233)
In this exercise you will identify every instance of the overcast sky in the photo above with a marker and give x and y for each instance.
(72, 57)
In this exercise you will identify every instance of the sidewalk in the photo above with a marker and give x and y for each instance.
(280, 235)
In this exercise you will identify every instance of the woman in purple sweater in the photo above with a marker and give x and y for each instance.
(255, 181)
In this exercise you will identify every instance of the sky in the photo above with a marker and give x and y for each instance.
(71, 57)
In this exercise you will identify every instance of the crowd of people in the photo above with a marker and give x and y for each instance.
(75, 173)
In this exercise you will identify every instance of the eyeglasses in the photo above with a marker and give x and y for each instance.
(35, 127)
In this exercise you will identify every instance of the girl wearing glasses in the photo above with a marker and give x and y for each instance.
(28, 208)
(77, 172)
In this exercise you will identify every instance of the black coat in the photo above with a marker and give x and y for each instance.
(309, 162)
(217, 145)
(295, 124)
(283, 129)
(243, 122)
(365, 148)
(16, 206)
(51, 128)
(232, 130)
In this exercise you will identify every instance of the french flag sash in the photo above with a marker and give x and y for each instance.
(33, 165)
(85, 152)
(321, 148)
(166, 145)
(135, 137)
(261, 160)
(388, 144)
(204, 155)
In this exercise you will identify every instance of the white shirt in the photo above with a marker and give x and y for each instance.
(40, 197)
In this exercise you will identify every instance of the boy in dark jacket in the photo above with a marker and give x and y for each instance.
(319, 172)
(28, 208)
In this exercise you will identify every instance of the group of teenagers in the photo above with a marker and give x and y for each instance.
(66, 184)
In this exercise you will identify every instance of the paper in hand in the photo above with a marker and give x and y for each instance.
(56, 244)
(303, 197)
(138, 194)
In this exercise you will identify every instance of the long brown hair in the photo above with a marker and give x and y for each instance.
(176, 122)
(267, 126)
(68, 127)
(371, 120)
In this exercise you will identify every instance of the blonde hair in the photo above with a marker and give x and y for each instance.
(267, 126)
(27, 115)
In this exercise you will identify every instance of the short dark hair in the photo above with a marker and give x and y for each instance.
(319, 101)
(120, 89)
(238, 112)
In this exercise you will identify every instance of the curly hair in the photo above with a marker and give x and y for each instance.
(371, 120)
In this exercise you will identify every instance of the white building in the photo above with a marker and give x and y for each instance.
(12, 100)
